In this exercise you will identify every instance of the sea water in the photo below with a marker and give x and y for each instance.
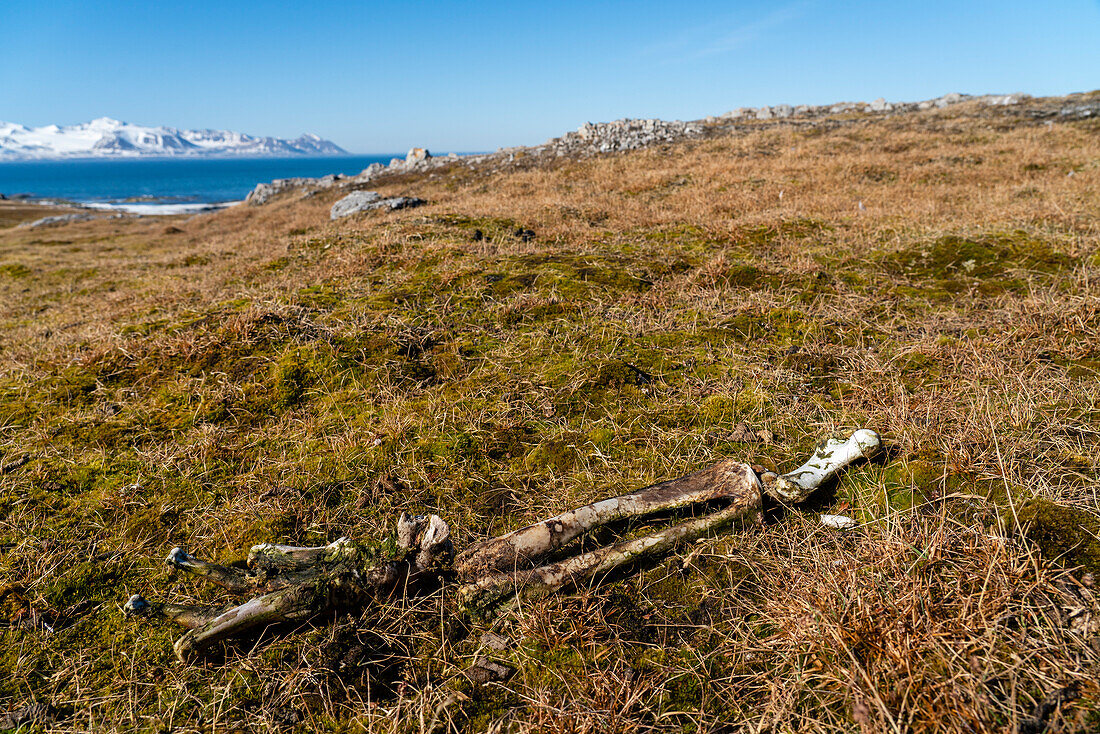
(162, 185)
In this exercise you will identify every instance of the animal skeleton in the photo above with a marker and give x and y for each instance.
(287, 583)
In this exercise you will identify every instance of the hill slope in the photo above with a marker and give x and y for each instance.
(550, 330)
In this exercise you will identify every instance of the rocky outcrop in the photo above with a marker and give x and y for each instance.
(878, 106)
(264, 192)
(608, 137)
(417, 155)
(365, 201)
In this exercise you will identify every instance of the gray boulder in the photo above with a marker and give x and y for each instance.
(782, 110)
(948, 99)
(371, 170)
(881, 105)
(365, 201)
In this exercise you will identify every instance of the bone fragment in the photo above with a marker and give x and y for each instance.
(408, 527)
(186, 615)
(271, 557)
(232, 579)
(434, 544)
(739, 484)
(828, 460)
(521, 548)
(288, 604)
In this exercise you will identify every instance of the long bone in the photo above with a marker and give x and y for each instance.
(732, 481)
(520, 548)
(295, 582)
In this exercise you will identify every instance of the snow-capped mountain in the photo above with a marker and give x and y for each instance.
(107, 138)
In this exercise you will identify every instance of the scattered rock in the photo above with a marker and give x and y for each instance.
(840, 522)
(485, 671)
(607, 137)
(948, 99)
(881, 105)
(354, 202)
(782, 110)
(370, 171)
(59, 219)
(364, 201)
(264, 192)
(493, 641)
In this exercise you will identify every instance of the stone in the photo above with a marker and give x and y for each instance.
(354, 202)
(881, 105)
(948, 99)
(840, 522)
(782, 110)
(365, 201)
(764, 113)
(59, 219)
(264, 192)
(417, 155)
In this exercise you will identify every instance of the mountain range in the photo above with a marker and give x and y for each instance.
(108, 138)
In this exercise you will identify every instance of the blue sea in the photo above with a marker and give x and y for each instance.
(162, 185)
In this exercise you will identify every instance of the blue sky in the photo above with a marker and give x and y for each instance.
(384, 76)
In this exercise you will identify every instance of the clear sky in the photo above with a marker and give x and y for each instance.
(382, 76)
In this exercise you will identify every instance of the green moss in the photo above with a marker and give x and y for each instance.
(953, 261)
(15, 270)
(85, 582)
(558, 455)
(293, 376)
(1064, 534)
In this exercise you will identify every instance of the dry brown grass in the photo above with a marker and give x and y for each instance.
(252, 375)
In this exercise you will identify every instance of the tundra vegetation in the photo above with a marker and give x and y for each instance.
(544, 334)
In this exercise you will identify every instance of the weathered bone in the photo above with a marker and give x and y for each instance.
(735, 482)
(828, 460)
(186, 615)
(520, 548)
(232, 579)
(435, 543)
(408, 527)
(291, 603)
(295, 582)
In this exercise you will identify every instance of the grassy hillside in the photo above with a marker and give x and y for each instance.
(544, 334)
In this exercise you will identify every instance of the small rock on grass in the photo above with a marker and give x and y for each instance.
(840, 522)
(486, 671)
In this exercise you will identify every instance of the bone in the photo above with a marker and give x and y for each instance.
(520, 548)
(289, 557)
(291, 603)
(434, 544)
(232, 579)
(408, 528)
(828, 460)
(743, 488)
(185, 615)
